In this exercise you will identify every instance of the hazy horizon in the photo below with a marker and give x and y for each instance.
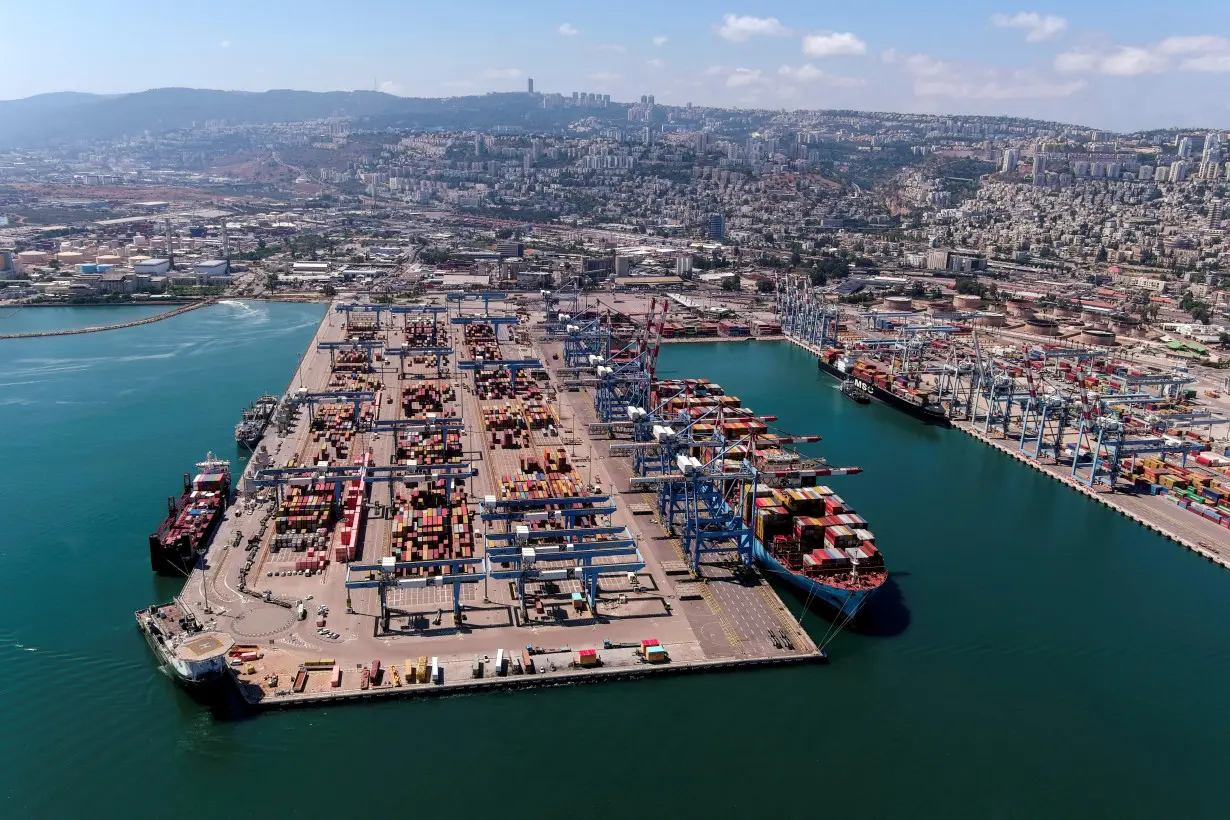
(1071, 63)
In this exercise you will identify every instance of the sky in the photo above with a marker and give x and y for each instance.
(1124, 66)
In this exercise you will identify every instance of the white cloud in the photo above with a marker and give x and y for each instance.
(890, 56)
(714, 70)
(390, 87)
(964, 81)
(1202, 53)
(654, 63)
(739, 28)
(808, 73)
(920, 65)
(1038, 27)
(660, 40)
(568, 30)
(805, 73)
(224, 44)
(1130, 61)
(833, 44)
(1199, 44)
(604, 77)
(743, 77)
(501, 74)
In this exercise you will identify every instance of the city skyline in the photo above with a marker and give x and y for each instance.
(1068, 63)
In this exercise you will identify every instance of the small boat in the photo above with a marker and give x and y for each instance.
(854, 390)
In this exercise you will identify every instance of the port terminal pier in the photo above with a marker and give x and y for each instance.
(447, 500)
(1135, 437)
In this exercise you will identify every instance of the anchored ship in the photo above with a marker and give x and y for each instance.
(256, 417)
(895, 391)
(191, 519)
(195, 658)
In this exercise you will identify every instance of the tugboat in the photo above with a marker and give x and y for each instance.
(256, 417)
(193, 657)
(855, 391)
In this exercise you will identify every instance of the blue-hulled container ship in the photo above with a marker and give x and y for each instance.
(804, 532)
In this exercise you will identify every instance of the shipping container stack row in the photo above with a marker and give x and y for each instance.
(810, 529)
(502, 384)
(425, 528)
(552, 461)
(304, 510)
(1193, 490)
(532, 486)
(350, 532)
(429, 448)
(352, 360)
(420, 399)
(727, 327)
(345, 382)
(419, 333)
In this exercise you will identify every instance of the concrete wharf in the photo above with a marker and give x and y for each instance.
(1154, 512)
(718, 620)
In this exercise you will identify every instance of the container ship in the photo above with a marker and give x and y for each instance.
(803, 532)
(256, 418)
(194, 658)
(191, 519)
(895, 391)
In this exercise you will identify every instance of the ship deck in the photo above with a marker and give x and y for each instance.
(713, 621)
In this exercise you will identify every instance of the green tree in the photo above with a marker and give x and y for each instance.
(730, 283)
(765, 286)
(1102, 254)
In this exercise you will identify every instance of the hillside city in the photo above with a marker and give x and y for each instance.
(1107, 233)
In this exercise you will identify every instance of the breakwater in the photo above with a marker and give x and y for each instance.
(120, 326)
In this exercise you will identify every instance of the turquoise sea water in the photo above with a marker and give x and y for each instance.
(1035, 655)
(42, 319)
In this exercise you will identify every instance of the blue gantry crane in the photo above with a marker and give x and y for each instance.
(355, 398)
(387, 575)
(487, 297)
(581, 553)
(496, 322)
(366, 346)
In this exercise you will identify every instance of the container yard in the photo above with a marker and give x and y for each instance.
(449, 498)
(1123, 425)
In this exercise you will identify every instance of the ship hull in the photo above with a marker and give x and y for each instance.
(205, 683)
(845, 602)
(888, 397)
(179, 559)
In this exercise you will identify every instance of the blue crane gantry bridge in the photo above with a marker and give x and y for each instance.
(496, 322)
(487, 298)
(355, 398)
(563, 554)
(349, 308)
(366, 346)
(460, 570)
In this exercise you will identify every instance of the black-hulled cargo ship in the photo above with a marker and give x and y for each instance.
(855, 391)
(191, 519)
(882, 386)
(256, 418)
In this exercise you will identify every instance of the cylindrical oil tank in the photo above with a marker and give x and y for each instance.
(1041, 326)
